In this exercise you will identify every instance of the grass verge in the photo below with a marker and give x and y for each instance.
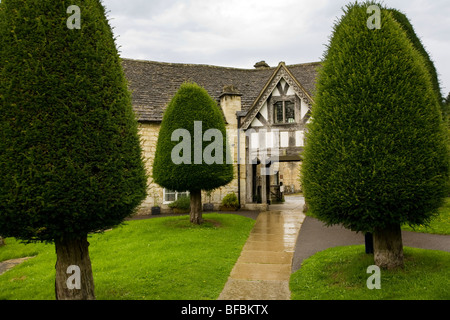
(154, 259)
(438, 225)
(341, 274)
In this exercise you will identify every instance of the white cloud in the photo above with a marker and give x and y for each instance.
(208, 28)
(238, 33)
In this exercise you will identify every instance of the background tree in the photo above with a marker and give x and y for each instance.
(447, 110)
(70, 154)
(377, 154)
(194, 112)
(406, 25)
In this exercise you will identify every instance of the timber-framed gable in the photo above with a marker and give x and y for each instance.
(299, 96)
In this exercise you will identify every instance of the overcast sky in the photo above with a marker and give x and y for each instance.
(239, 33)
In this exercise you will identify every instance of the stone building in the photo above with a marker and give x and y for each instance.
(265, 110)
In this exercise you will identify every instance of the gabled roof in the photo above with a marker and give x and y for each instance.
(153, 84)
(281, 72)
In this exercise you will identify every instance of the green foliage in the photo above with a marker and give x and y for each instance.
(151, 259)
(429, 64)
(439, 225)
(190, 104)
(446, 110)
(377, 152)
(417, 44)
(183, 203)
(70, 155)
(230, 200)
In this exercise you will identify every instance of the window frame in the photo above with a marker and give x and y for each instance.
(283, 101)
(176, 193)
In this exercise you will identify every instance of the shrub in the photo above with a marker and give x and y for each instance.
(183, 203)
(230, 201)
(191, 105)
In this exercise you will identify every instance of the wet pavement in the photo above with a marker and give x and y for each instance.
(315, 236)
(276, 247)
(263, 270)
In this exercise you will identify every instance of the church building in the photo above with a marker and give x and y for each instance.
(265, 109)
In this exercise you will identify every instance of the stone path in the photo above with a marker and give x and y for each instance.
(273, 250)
(263, 270)
(9, 264)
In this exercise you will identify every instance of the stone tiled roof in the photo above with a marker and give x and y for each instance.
(155, 83)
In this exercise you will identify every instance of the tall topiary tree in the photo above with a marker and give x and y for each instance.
(191, 152)
(70, 155)
(376, 155)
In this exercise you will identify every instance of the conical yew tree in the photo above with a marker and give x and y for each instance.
(70, 155)
(377, 153)
(191, 152)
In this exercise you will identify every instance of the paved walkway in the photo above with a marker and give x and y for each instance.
(263, 270)
(9, 264)
(276, 247)
(315, 236)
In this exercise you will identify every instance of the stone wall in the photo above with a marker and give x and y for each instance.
(149, 137)
(230, 103)
(155, 195)
(290, 176)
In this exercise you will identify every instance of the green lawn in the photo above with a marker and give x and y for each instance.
(154, 259)
(439, 225)
(341, 274)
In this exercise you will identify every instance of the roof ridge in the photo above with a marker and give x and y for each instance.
(213, 66)
(304, 64)
(189, 64)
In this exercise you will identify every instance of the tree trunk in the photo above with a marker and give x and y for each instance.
(196, 207)
(2, 242)
(74, 279)
(368, 240)
(388, 247)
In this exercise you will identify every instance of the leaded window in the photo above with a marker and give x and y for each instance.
(284, 112)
